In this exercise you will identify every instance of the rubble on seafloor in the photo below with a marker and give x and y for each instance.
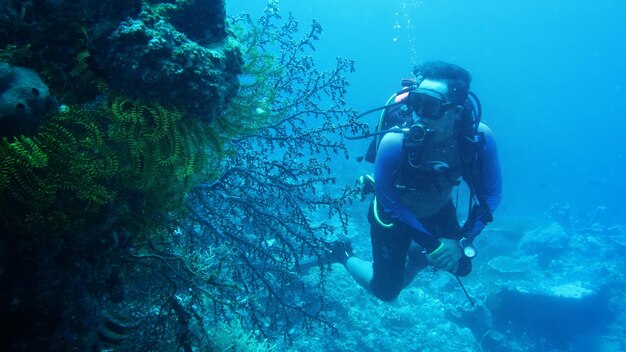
(557, 288)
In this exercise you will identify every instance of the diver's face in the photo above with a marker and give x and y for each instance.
(443, 128)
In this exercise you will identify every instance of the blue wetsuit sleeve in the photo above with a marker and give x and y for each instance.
(388, 161)
(490, 178)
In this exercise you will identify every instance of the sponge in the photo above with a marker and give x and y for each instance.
(24, 101)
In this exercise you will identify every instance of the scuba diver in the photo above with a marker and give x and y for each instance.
(429, 138)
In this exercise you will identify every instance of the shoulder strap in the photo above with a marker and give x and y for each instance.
(471, 164)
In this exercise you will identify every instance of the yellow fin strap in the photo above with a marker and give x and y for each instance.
(380, 222)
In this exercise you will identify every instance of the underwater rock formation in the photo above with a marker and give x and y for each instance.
(178, 55)
(555, 289)
(547, 243)
(137, 77)
(24, 100)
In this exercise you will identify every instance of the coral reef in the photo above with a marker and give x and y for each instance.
(108, 172)
(179, 53)
(157, 202)
(141, 157)
(102, 59)
(278, 178)
(575, 303)
(160, 211)
(557, 290)
(166, 53)
(548, 243)
(225, 337)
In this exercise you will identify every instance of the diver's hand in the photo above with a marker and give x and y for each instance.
(447, 256)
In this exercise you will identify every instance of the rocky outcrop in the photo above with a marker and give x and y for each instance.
(551, 288)
(179, 54)
(169, 65)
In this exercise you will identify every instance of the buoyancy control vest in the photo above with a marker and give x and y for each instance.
(396, 116)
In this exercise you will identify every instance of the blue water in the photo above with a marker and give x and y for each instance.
(550, 75)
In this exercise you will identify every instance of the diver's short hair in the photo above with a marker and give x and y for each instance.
(457, 78)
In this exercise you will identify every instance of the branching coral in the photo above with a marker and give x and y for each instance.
(274, 202)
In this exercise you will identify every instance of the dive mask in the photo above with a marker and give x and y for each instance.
(427, 103)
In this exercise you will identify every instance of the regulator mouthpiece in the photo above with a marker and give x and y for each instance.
(416, 135)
